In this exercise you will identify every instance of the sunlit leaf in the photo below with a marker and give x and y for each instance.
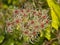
(48, 33)
(55, 21)
(55, 13)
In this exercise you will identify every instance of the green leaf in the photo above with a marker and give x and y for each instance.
(26, 38)
(9, 42)
(55, 13)
(55, 21)
(5, 6)
(18, 43)
(1, 39)
(55, 43)
(9, 1)
(47, 33)
(40, 42)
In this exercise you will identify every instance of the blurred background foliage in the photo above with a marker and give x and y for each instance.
(48, 36)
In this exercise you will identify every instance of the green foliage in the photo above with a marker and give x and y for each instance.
(1, 38)
(9, 42)
(55, 13)
(48, 33)
(17, 43)
(55, 21)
